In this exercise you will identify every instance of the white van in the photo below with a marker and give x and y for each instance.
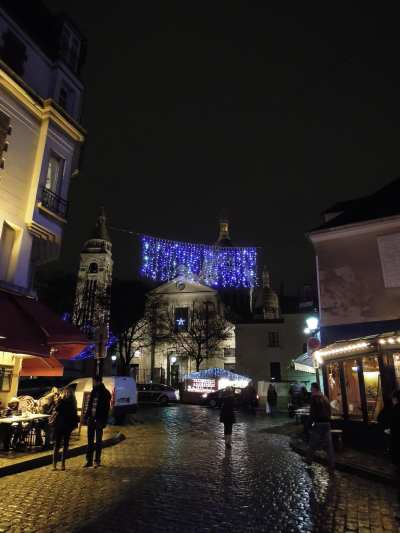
(122, 389)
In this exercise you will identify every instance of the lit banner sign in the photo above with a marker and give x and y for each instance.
(201, 385)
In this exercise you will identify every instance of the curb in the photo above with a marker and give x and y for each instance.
(372, 475)
(47, 459)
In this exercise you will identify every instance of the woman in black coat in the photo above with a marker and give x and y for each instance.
(65, 421)
(227, 416)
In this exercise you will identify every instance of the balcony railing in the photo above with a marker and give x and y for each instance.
(54, 203)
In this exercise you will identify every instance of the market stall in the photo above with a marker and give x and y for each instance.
(196, 384)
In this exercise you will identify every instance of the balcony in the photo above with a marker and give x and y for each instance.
(53, 203)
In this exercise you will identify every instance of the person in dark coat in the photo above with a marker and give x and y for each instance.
(272, 399)
(227, 416)
(394, 425)
(96, 417)
(65, 421)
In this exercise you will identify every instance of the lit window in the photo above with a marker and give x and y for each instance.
(373, 387)
(54, 174)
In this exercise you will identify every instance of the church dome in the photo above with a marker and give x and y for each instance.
(271, 308)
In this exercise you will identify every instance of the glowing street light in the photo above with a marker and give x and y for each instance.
(312, 323)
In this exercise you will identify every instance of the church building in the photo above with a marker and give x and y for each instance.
(93, 289)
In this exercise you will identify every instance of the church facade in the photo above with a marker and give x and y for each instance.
(164, 361)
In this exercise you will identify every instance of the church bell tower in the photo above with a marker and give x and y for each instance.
(93, 289)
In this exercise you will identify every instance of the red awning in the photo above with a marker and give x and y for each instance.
(41, 366)
(29, 327)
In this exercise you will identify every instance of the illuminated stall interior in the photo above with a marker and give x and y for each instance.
(360, 375)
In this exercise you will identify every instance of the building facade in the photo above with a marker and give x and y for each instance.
(40, 105)
(40, 142)
(358, 256)
(268, 343)
(164, 362)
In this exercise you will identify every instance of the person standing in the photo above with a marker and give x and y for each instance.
(320, 431)
(96, 417)
(272, 399)
(227, 416)
(65, 421)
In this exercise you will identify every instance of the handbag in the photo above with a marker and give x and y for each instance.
(53, 418)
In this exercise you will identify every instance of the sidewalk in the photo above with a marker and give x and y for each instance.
(15, 462)
(364, 464)
(376, 467)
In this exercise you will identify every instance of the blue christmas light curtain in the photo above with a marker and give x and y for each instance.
(215, 266)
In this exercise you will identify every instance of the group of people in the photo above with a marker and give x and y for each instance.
(64, 419)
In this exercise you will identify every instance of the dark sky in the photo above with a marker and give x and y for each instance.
(273, 112)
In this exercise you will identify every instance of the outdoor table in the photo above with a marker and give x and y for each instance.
(28, 418)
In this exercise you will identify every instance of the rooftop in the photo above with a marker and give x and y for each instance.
(381, 204)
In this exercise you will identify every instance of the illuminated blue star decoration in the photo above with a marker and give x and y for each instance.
(215, 266)
(181, 322)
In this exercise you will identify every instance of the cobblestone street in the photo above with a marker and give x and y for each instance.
(172, 473)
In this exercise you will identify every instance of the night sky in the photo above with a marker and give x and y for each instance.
(273, 113)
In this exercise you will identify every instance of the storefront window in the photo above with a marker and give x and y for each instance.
(396, 362)
(373, 387)
(352, 389)
(335, 393)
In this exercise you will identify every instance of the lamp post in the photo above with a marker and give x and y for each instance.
(313, 341)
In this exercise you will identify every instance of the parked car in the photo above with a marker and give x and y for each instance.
(156, 393)
(214, 399)
(123, 394)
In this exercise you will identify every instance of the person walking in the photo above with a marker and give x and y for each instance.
(320, 431)
(96, 417)
(227, 416)
(394, 425)
(272, 399)
(65, 420)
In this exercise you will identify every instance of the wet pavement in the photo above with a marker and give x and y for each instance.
(173, 473)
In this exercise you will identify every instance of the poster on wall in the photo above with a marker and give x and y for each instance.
(389, 253)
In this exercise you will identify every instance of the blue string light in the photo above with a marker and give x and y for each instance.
(216, 266)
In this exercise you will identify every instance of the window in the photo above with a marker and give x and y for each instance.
(8, 235)
(351, 370)
(334, 389)
(275, 371)
(5, 378)
(55, 170)
(93, 268)
(181, 318)
(69, 48)
(396, 363)
(373, 387)
(273, 339)
(13, 52)
(5, 130)
(66, 97)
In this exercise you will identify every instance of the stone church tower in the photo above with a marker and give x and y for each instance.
(93, 290)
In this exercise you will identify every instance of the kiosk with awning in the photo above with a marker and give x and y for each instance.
(33, 340)
(360, 376)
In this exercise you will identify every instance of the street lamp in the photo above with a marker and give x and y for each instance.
(173, 360)
(312, 324)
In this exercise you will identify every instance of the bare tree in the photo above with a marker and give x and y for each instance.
(203, 335)
(136, 337)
